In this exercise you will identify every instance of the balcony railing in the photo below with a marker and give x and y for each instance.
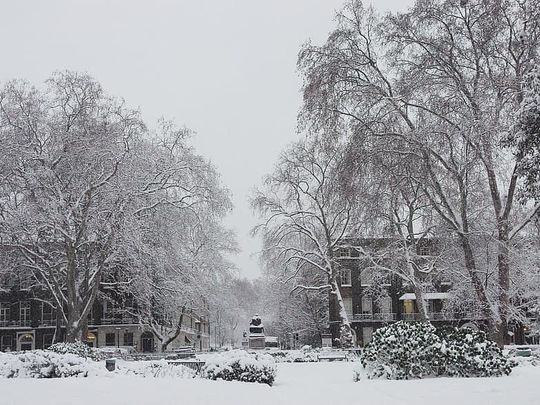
(377, 317)
(16, 323)
(433, 316)
(119, 320)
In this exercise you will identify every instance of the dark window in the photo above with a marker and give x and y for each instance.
(24, 313)
(6, 343)
(47, 340)
(4, 313)
(128, 339)
(110, 339)
(47, 314)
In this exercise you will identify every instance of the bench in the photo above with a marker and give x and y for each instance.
(332, 357)
(196, 365)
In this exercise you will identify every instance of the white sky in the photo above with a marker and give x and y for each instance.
(225, 68)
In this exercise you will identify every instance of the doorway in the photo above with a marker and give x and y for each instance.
(25, 341)
(147, 342)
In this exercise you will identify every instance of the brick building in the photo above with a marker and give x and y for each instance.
(28, 322)
(374, 299)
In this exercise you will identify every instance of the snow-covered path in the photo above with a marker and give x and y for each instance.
(308, 383)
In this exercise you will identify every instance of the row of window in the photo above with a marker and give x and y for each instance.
(47, 312)
(7, 342)
(366, 277)
(113, 339)
(384, 303)
(48, 315)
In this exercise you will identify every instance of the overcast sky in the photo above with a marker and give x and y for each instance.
(224, 68)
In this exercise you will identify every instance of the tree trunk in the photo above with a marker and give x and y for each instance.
(503, 260)
(420, 302)
(470, 265)
(167, 341)
(347, 336)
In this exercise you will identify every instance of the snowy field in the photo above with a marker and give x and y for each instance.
(296, 383)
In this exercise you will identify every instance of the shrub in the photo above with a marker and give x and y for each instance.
(416, 349)
(77, 348)
(239, 365)
(155, 368)
(44, 364)
(402, 350)
(295, 356)
(468, 353)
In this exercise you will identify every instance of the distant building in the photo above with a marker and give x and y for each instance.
(394, 301)
(28, 322)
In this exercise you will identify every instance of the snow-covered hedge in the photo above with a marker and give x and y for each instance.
(239, 365)
(295, 356)
(48, 364)
(416, 349)
(156, 368)
(77, 348)
(44, 364)
(468, 353)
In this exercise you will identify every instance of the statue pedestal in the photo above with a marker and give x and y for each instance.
(256, 339)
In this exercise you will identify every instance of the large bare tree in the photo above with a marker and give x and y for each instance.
(442, 81)
(85, 185)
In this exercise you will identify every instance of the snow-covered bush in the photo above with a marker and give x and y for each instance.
(77, 348)
(48, 364)
(416, 349)
(44, 364)
(239, 365)
(402, 350)
(295, 356)
(156, 368)
(468, 353)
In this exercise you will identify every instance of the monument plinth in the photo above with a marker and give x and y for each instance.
(256, 338)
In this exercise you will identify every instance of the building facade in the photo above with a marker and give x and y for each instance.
(28, 322)
(373, 299)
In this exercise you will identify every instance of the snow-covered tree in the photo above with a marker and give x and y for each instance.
(441, 82)
(86, 190)
(307, 215)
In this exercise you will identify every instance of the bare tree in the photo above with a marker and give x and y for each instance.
(443, 79)
(307, 217)
(86, 186)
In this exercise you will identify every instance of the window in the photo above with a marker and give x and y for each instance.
(128, 339)
(424, 250)
(367, 306)
(4, 313)
(47, 313)
(6, 343)
(110, 309)
(110, 339)
(346, 278)
(25, 283)
(386, 305)
(366, 277)
(24, 313)
(344, 252)
(347, 303)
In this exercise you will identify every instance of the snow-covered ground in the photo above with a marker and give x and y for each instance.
(296, 383)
